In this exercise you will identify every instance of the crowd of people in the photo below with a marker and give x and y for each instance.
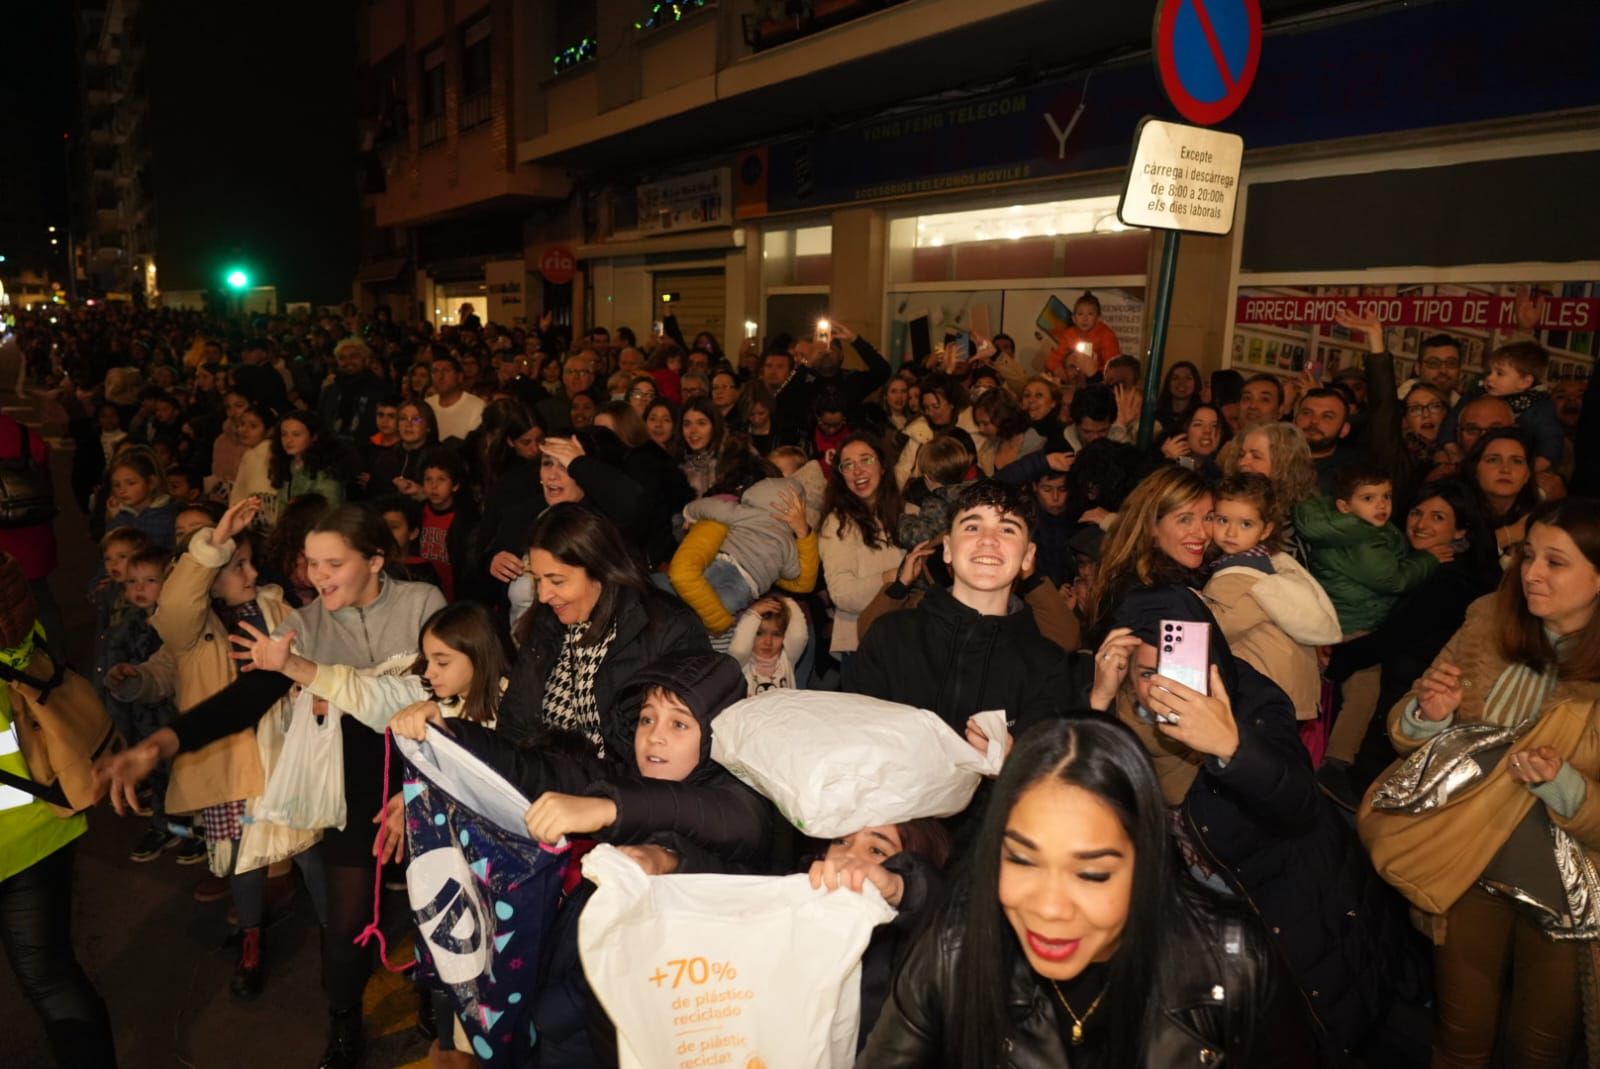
(573, 553)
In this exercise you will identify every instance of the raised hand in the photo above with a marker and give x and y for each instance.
(1367, 324)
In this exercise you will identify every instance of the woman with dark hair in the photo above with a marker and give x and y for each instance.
(510, 452)
(1180, 392)
(860, 510)
(661, 424)
(1041, 400)
(588, 467)
(1196, 442)
(1419, 625)
(1519, 679)
(1077, 936)
(366, 620)
(306, 459)
(597, 622)
(758, 408)
(398, 468)
(944, 405)
(1232, 768)
(1500, 470)
(703, 431)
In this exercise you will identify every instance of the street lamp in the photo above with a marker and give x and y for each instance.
(238, 279)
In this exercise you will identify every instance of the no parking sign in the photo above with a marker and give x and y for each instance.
(1207, 52)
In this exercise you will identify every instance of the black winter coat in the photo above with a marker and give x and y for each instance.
(1261, 822)
(510, 505)
(1404, 645)
(1261, 1024)
(391, 463)
(666, 491)
(953, 660)
(649, 625)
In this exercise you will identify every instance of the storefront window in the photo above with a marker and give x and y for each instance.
(797, 256)
(1016, 269)
(1289, 329)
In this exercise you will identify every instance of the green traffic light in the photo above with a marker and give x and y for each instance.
(238, 279)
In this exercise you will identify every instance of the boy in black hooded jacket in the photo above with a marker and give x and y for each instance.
(671, 808)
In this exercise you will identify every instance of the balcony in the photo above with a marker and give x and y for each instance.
(697, 89)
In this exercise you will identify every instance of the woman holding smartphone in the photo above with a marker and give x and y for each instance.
(1077, 937)
(1252, 821)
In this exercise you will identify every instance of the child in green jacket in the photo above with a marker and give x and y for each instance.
(1363, 562)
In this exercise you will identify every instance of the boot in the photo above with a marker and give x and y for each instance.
(247, 977)
(344, 1041)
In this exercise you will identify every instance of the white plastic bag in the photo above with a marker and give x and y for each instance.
(725, 970)
(306, 788)
(836, 763)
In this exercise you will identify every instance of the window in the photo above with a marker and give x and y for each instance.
(476, 74)
(431, 105)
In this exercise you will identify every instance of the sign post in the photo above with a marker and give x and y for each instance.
(1186, 178)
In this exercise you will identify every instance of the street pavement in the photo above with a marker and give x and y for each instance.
(159, 957)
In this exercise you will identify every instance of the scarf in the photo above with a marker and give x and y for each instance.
(569, 702)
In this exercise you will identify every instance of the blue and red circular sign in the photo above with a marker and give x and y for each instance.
(1207, 52)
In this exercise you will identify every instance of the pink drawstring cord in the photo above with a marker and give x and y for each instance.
(373, 930)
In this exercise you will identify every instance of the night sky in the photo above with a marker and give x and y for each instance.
(253, 135)
(254, 143)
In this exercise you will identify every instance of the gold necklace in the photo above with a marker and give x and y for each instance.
(1079, 1022)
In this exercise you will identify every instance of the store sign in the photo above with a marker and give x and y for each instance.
(1480, 311)
(1287, 330)
(557, 264)
(688, 202)
(1182, 178)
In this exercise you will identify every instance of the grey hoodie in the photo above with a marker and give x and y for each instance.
(758, 540)
(365, 637)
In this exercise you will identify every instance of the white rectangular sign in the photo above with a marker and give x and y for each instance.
(687, 202)
(1182, 178)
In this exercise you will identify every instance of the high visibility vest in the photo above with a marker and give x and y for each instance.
(30, 830)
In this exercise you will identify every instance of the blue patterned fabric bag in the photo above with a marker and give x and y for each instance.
(482, 892)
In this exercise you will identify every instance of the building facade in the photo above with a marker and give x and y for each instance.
(115, 217)
(926, 167)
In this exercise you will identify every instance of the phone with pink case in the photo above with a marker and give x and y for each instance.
(1184, 653)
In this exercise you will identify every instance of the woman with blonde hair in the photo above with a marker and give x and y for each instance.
(1160, 538)
(1278, 451)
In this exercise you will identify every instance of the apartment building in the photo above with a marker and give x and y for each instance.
(918, 168)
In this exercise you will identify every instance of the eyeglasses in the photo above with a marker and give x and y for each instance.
(1436, 407)
(412, 421)
(634, 395)
(1435, 364)
(866, 463)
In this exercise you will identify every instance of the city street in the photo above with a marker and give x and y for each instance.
(158, 956)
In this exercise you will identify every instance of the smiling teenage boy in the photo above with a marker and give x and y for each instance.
(975, 646)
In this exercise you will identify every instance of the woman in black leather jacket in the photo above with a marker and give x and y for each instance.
(1078, 938)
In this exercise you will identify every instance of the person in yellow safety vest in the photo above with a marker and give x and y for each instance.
(36, 854)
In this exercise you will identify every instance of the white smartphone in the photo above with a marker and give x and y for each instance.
(824, 332)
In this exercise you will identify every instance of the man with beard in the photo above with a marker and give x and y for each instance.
(1324, 419)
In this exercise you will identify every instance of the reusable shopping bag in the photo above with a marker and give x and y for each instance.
(483, 893)
(750, 972)
(836, 763)
(306, 788)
